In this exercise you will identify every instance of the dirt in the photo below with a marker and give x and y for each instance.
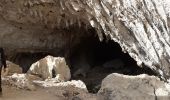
(12, 93)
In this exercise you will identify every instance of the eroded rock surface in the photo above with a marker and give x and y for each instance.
(142, 87)
(140, 27)
(21, 81)
(11, 69)
(51, 67)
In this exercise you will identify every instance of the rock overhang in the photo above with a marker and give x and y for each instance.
(144, 35)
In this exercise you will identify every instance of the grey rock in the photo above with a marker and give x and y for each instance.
(140, 27)
(142, 87)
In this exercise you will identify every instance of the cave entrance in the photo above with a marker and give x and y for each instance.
(92, 60)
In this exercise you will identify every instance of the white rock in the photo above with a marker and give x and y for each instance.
(51, 83)
(50, 67)
(141, 87)
(21, 81)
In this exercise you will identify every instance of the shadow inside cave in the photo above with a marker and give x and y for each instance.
(91, 61)
(103, 58)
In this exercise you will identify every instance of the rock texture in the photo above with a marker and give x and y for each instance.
(51, 67)
(11, 69)
(114, 87)
(43, 90)
(21, 81)
(141, 27)
(72, 90)
(141, 87)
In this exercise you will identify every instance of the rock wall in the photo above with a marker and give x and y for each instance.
(141, 27)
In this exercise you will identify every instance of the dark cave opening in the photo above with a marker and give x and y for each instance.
(91, 61)
(26, 59)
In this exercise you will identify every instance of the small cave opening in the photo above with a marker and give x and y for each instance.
(92, 60)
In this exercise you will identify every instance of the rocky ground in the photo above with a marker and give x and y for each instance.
(47, 90)
(99, 84)
(114, 87)
(12, 93)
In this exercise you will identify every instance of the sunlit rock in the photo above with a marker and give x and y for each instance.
(51, 67)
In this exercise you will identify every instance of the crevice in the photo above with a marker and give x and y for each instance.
(154, 91)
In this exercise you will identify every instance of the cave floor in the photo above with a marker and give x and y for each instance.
(94, 78)
(12, 93)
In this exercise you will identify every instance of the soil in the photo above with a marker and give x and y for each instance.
(12, 93)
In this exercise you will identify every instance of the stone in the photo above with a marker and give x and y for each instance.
(51, 67)
(141, 87)
(59, 26)
(70, 90)
(21, 81)
(11, 69)
(51, 83)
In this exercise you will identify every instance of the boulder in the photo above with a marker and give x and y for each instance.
(11, 69)
(141, 87)
(51, 67)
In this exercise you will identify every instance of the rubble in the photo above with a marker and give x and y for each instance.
(11, 69)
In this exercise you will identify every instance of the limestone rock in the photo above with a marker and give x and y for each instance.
(51, 67)
(50, 83)
(141, 27)
(21, 81)
(11, 69)
(141, 87)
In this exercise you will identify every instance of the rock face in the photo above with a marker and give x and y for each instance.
(140, 27)
(141, 87)
(51, 67)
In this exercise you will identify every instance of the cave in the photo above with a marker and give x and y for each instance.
(94, 58)
(89, 58)
(85, 33)
(103, 58)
